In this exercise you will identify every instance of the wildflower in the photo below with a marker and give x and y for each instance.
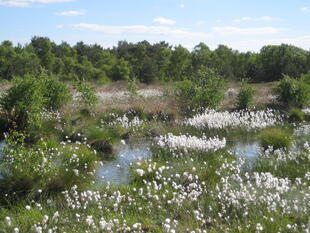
(140, 172)
(259, 227)
(8, 221)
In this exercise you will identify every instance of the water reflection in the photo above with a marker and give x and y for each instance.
(2, 145)
(117, 171)
(248, 149)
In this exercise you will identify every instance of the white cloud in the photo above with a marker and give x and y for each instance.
(200, 22)
(256, 45)
(305, 9)
(60, 26)
(246, 31)
(182, 5)
(162, 20)
(264, 18)
(141, 29)
(71, 13)
(27, 3)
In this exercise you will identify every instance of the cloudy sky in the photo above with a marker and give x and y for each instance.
(241, 24)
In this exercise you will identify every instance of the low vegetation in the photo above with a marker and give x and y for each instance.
(60, 135)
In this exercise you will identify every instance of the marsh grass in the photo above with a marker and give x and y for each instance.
(296, 115)
(276, 138)
(44, 167)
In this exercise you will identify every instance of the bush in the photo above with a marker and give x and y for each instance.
(275, 137)
(296, 115)
(204, 90)
(292, 92)
(29, 96)
(245, 96)
(305, 78)
(133, 86)
(55, 92)
(23, 102)
(185, 91)
(86, 94)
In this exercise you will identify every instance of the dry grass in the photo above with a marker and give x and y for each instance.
(155, 104)
(263, 94)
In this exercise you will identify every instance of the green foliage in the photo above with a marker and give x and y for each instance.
(274, 61)
(305, 78)
(185, 92)
(292, 92)
(85, 93)
(291, 169)
(296, 115)
(24, 102)
(25, 169)
(205, 90)
(103, 81)
(275, 137)
(245, 96)
(133, 86)
(179, 63)
(148, 62)
(121, 70)
(108, 134)
(55, 92)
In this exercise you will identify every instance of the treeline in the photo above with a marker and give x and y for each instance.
(148, 62)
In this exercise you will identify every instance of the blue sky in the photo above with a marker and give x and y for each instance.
(241, 24)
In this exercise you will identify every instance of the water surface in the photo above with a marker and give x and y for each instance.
(249, 149)
(117, 171)
(2, 145)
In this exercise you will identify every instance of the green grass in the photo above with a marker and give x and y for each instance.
(276, 137)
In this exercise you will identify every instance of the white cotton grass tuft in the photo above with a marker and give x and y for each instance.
(190, 143)
(306, 111)
(247, 120)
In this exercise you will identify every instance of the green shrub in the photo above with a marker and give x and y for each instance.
(185, 91)
(133, 86)
(29, 96)
(245, 96)
(292, 92)
(305, 78)
(55, 92)
(204, 90)
(108, 134)
(103, 81)
(86, 94)
(23, 102)
(296, 115)
(275, 137)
